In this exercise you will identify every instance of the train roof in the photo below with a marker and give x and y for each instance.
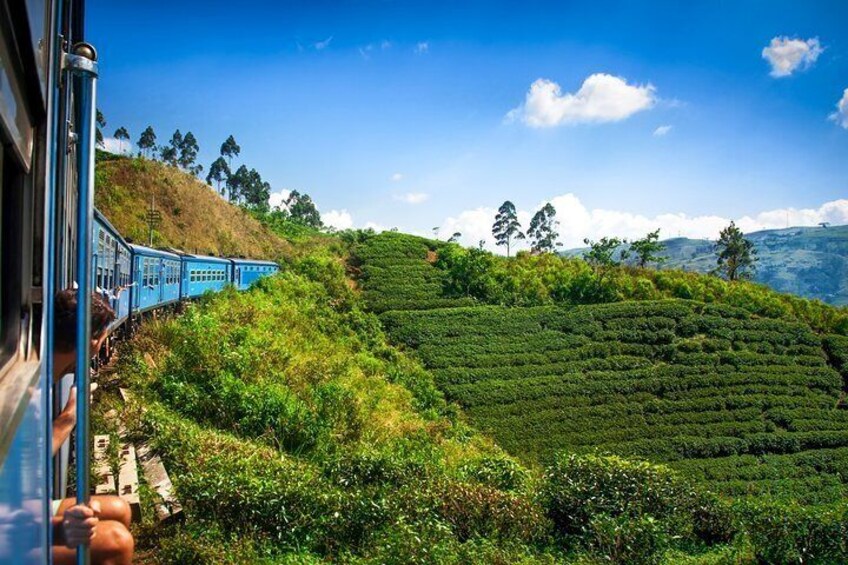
(205, 258)
(254, 262)
(142, 250)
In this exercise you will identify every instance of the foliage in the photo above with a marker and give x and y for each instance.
(313, 438)
(230, 149)
(188, 149)
(601, 254)
(736, 255)
(147, 142)
(788, 533)
(302, 210)
(542, 231)
(506, 226)
(121, 134)
(648, 249)
(219, 172)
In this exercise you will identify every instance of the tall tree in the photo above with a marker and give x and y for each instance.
(736, 255)
(122, 135)
(219, 172)
(147, 142)
(648, 249)
(256, 191)
(303, 210)
(236, 183)
(101, 123)
(188, 152)
(171, 153)
(230, 149)
(506, 226)
(542, 231)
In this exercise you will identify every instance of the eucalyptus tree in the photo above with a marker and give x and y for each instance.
(506, 226)
(147, 142)
(122, 135)
(543, 230)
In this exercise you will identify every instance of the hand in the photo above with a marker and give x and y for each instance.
(80, 524)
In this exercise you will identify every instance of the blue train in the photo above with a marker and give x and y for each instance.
(136, 279)
(52, 238)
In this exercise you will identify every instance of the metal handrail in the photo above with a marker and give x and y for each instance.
(81, 69)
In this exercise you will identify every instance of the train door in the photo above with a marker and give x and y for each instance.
(138, 283)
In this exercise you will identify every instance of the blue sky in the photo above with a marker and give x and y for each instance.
(421, 114)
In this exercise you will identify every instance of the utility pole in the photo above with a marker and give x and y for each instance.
(154, 219)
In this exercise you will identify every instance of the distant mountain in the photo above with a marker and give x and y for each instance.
(809, 262)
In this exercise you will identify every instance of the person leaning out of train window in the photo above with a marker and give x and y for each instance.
(104, 523)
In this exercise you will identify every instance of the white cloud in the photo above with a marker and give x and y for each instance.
(397, 177)
(375, 226)
(422, 47)
(321, 45)
(117, 146)
(277, 199)
(601, 98)
(366, 51)
(840, 116)
(662, 130)
(385, 44)
(787, 55)
(339, 219)
(412, 197)
(578, 222)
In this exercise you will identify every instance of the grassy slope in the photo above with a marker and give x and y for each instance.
(194, 218)
(744, 403)
(295, 434)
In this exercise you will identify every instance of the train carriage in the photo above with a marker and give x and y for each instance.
(156, 278)
(111, 263)
(247, 271)
(201, 274)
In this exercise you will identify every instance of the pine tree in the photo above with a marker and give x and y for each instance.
(542, 231)
(736, 255)
(147, 141)
(506, 226)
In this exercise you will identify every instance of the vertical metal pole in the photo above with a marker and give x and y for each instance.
(82, 67)
(48, 277)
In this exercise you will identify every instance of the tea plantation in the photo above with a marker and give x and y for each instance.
(744, 404)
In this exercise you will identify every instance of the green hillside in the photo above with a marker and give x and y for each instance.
(295, 430)
(746, 403)
(809, 262)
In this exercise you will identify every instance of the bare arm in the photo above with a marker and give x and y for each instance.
(64, 423)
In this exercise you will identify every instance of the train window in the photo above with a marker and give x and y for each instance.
(10, 263)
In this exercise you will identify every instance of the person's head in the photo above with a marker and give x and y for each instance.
(65, 340)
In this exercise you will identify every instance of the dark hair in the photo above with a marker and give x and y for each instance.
(65, 308)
